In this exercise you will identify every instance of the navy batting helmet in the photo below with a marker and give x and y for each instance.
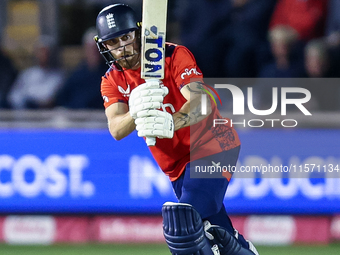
(114, 21)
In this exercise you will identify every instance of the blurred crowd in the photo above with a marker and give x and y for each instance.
(229, 38)
(263, 38)
(46, 84)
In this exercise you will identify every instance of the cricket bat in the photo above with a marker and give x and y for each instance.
(153, 43)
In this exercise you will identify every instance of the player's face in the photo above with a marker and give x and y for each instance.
(126, 50)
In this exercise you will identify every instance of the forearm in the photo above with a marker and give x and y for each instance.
(190, 114)
(121, 126)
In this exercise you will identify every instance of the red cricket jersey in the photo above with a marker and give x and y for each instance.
(189, 143)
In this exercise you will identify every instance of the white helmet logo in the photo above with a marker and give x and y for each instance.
(110, 20)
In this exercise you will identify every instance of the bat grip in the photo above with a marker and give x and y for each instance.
(150, 141)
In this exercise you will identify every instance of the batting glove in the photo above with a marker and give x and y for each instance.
(155, 123)
(149, 95)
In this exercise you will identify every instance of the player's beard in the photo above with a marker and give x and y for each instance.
(130, 59)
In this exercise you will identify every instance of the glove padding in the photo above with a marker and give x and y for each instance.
(148, 95)
(155, 123)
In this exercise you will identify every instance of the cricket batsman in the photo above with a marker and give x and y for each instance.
(169, 110)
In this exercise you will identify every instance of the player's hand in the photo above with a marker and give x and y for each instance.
(149, 95)
(155, 123)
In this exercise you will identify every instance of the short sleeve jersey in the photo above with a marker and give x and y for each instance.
(189, 143)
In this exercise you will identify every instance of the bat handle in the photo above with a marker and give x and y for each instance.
(150, 141)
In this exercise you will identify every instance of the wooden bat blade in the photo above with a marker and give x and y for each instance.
(153, 38)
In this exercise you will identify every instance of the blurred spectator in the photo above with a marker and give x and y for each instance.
(286, 62)
(37, 86)
(246, 36)
(82, 87)
(333, 23)
(333, 34)
(307, 17)
(319, 64)
(317, 59)
(7, 76)
(224, 35)
(287, 54)
(203, 24)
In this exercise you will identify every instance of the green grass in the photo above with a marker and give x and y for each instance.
(150, 249)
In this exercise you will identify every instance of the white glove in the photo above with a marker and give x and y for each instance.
(155, 123)
(149, 95)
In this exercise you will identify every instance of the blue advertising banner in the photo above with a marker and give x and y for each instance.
(303, 173)
(87, 171)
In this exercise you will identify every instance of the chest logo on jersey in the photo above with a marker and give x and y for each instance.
(125, 93)
(189, 72)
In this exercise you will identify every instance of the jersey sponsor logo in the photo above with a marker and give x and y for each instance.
(110, 20)
(189, 72)
(125, 92)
